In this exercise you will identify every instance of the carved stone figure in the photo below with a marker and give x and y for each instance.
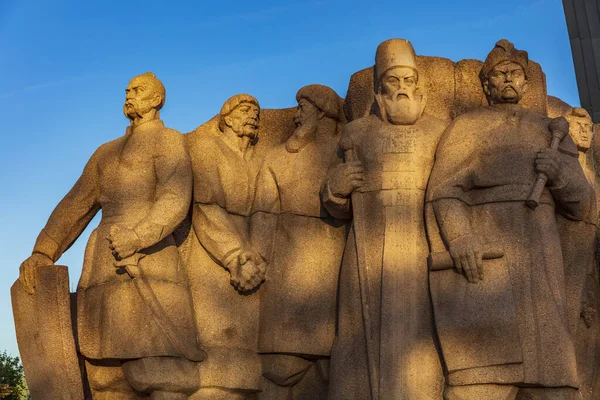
(581, 272)
(224, 272)
(501, 313)
(134, 312)
(384, 346)
(303, 246)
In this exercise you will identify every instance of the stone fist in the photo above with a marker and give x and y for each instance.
(247, 271)
(467, 253)
(549, 162)
(123, 242)
(27, 270)
(346, 178)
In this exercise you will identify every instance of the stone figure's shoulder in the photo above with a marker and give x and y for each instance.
(199, 143)
(433, 124)
(477, 116)
(108, 148)
(355, 129)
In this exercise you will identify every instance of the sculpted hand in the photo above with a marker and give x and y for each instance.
(346, 178)
(123, 241)
(549, 162)
(246, 272)
(467, 253)
(27, 270)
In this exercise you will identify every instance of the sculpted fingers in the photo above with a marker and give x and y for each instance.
(473, 266)
(467, 268)
(479, 262)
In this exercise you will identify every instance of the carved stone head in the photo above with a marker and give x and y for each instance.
(580, 128)
(319, 111)
(144, 93)
(241, 114)
(504, 74)
(398, 91)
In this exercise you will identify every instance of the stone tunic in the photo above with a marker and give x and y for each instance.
(485, 165)
(141, 180)
(227, 320)
(303, 245)
(397, 160)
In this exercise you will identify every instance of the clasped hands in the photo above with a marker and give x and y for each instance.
(247, 270)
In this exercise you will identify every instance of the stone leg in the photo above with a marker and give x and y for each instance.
(480, 392)
(293, 378)
(107, 381)
(163, 378)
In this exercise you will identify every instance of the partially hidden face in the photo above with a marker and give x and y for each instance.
(581, 130)
(506, 83)
(400, 96)
(307, 116)
(306, 120)
(140, 98)
(244, 119)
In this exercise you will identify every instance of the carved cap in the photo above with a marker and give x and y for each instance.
(504, 51)
(234, 101)
(324, 98)
(394, 53)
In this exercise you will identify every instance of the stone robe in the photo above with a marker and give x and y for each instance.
(141, 180)
(397, 161)
(485, 166)
(224, 183)
(303, 245)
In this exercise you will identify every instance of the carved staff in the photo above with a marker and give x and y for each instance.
(363, 279)
(559, 127)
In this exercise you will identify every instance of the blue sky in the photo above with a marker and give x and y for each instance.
(65, 65)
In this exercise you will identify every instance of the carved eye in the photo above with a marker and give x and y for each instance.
(409, 81)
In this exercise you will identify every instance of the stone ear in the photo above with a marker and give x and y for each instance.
(486, 88)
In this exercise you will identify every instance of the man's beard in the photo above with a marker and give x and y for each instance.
(248, 129)
(400, 108)
(300, 138)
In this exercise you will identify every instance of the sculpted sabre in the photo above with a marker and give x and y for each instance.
(134, 312)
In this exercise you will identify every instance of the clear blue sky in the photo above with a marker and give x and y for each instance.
(64, 66)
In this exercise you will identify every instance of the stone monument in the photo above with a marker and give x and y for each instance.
(431, 236)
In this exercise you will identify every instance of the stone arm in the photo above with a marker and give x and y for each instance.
(573, 193)
(266, 208)
(452, 216)
(172, 168)
(217, 233)
(337, 207)
(72, 215)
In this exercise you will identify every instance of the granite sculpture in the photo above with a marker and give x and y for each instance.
(224, 271)
(135, 325)
(501, 313)
(430, 236)
(302, 244)
(384, 305)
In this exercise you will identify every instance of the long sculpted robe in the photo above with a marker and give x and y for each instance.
(397, 161)
(484, 172)
(303, 245)
(224, 182)
(141, 180)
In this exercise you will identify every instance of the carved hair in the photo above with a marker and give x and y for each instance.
(155, 85)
